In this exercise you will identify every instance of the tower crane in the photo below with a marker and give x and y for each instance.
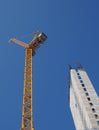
(27, 114)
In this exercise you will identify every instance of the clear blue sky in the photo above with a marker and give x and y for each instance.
(72, 27)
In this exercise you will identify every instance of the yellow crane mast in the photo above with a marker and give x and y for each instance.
(27, 116)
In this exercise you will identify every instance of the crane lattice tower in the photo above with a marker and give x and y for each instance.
(27, 115)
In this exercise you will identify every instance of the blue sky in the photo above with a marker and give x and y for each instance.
(72, 28)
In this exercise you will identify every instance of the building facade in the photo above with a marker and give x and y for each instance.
(84, 101)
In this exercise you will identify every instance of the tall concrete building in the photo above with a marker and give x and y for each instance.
(84, 101)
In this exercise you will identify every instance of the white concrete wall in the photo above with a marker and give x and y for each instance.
(83, 116)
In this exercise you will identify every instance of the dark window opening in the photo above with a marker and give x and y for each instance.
(91, 104)
(96, 116)
(93, 110)
(88, 99)
(87, 94)
(85, 89)
(79, 77)
(83, 85)
(81, 81)
(78, 73)
(97, 122)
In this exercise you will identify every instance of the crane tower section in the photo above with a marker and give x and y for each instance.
(27, 115)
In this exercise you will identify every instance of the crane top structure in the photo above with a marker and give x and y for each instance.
(35, 43)
(27, 108)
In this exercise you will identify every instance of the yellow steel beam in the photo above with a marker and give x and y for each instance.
(27, 118)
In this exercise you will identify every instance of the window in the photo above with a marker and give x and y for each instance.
(75, 104)
(91, 104)
(96, 116)
(79, 77)
(88, 98)
(86, 94)
(83, 85)
(81, 81)
(78, 73)
(93, 110)
(97, 122)
(85, 89)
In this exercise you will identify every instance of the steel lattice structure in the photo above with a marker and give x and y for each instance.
(27, 97)
(27, 116)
